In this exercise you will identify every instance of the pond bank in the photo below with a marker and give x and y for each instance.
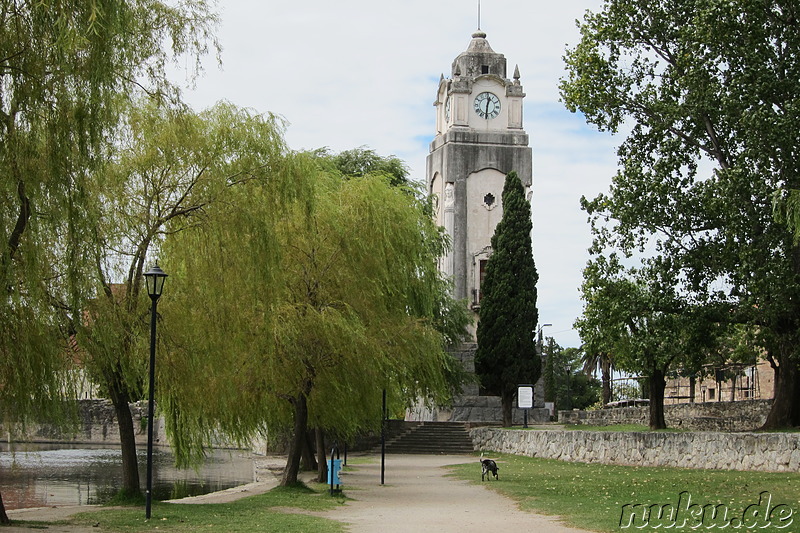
(37, 475)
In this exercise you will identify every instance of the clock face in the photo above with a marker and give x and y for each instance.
(487, 105)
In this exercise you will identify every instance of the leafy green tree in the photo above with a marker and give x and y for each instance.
(565, 382)
(363, 161)
(707, 92)
(67, 66)
(318, 293)
(636, 315)
(584, 390)
(551, 352)
(169, 165)
(506, 354)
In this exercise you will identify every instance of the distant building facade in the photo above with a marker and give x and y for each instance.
(723, 384)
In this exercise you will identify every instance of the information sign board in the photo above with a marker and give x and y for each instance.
(525, 396)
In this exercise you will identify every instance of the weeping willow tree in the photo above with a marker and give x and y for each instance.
(66, 66)
(307, 297)
(169, 166)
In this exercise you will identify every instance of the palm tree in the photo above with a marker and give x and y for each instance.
(592, 360)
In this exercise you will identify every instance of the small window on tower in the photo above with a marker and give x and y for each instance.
(488, 201)
(484, 69)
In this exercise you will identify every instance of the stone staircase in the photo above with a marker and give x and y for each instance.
(434, 438)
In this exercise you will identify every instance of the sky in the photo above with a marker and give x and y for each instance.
(357, 73)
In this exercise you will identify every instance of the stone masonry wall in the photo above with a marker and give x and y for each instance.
(708, 416)
(470, 406)
(767, 452)
(97, 424)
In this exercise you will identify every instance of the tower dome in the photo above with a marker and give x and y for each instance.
(479, 58)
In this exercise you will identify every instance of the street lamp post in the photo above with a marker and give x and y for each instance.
(539, 340)
(154, 280)
(540, 353)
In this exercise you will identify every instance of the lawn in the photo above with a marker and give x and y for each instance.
(589, 496)
(279, 510)
(618, 427)
(593, 496)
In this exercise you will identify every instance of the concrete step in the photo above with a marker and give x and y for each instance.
(430, 438)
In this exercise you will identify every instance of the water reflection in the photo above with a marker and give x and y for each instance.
(39, 475)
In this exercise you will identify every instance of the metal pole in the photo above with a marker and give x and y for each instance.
(150, 406)
(332, 470)
(383, 438)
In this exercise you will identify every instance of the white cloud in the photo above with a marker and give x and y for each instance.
(358, 72)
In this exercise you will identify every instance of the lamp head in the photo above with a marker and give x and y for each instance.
(154, 279)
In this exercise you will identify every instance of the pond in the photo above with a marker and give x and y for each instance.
(40, 475)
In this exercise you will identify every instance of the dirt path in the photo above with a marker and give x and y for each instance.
(420, 496)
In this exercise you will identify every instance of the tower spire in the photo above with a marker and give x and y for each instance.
(479, 14)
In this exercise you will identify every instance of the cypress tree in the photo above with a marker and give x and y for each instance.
(506, 355)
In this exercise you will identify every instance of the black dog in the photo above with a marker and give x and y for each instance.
(489, 468)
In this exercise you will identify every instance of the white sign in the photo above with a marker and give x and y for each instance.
(525, 396)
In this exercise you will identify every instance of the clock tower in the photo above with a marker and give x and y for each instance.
(479, 139)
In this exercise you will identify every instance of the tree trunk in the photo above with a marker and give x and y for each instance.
(606, 379)
(308, 463)
(785, 412)
(300, 404)
(692, 388)
(322, 465)
(3, 516)
(657, 386)
(507, 402)
(127, 440)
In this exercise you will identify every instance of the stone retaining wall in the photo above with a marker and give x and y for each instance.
(97, 424)
(766, 452)
(708, 416)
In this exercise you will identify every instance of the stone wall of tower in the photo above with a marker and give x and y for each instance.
(459, 155)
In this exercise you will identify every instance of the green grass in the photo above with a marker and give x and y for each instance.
(623, 427)
(355, 460)
(620, 427)
(582, 427)
(591, 496)
(256, 513)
